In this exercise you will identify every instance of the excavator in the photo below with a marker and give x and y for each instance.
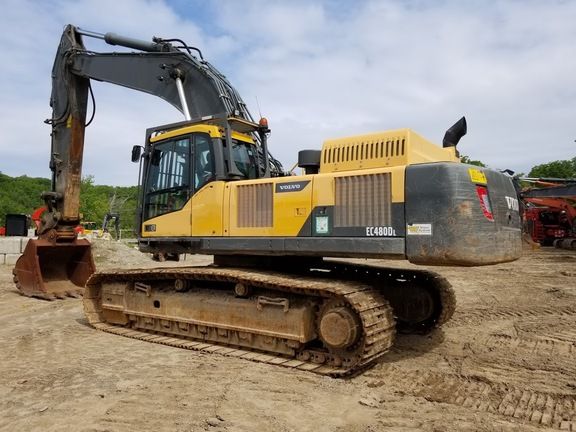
(289, 284)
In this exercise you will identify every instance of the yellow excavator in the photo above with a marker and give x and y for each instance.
(209, 185)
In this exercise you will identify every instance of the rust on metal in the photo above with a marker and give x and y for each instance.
(337, 321)
(279, 323)
(52, 270)
(71, 205)
(339, 327)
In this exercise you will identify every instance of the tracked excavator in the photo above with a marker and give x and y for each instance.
(208, 185)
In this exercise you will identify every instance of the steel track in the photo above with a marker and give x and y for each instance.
(375, 314)
(379, 277)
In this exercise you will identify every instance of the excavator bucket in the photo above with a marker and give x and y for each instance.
(54, 270)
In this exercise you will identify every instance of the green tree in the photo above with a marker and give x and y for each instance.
(97, 200)
(555, 169)
(93, 200)
(21, 195)
(466, 159)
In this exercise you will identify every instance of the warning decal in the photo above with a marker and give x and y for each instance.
(419, 229)
(477, 176)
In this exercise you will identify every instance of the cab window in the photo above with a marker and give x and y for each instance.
(168, 180)
(245, 158)
(204, 171)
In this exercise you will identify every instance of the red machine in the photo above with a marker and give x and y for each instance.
(36, 216)
(545, 224)
(550, 214)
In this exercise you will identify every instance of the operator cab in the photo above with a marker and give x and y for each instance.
(179, 161)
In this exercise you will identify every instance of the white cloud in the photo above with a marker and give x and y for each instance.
(319, 70)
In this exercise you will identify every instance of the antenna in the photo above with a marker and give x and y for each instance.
(258, 105)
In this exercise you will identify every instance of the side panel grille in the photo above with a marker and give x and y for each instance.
(363, 200)
(350, 152)
(255, 206)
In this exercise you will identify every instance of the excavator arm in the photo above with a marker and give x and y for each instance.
(191, 85)
(160, 68)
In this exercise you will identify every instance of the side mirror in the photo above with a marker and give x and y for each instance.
(136, 153)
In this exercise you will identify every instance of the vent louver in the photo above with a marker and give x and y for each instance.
(363, 200)
(255, 206)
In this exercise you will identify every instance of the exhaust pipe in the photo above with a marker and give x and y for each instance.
(453, 135)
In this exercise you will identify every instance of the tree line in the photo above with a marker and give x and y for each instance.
(561, 169)
(21, 195)
(556, 169)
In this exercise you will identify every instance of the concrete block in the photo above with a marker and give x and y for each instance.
(11, 259)
(10, 245)
(23, 243)
(2, 259)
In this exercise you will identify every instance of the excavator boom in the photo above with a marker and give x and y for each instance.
(160, 68)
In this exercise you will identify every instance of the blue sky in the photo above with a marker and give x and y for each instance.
(319, 69)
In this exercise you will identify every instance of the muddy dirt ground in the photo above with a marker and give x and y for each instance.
(506, 362)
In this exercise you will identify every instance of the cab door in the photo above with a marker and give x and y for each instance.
(168, 189)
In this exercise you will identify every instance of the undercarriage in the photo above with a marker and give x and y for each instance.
(331, 318)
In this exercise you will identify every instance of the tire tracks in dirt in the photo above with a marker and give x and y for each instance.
(468, 317)
(545, 344)
(554, 410)
(538, 346)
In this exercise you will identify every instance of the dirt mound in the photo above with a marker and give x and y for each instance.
(110, 254)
